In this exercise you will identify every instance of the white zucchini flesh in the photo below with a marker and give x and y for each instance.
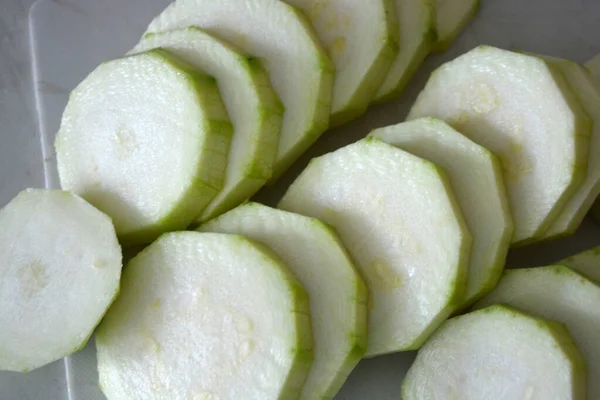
(574, 211)
(361, 38)
(452, 16)
(498, 353)
(145, 139)
(557, 293)
(205, 316)
(587, 263)
(416, 23)
(278, 34)
(543, 147)
(60, 266)
(337, 294)
(398, 218)
(476, 177)
(252, 105)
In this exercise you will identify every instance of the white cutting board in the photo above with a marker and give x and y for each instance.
(70, 37)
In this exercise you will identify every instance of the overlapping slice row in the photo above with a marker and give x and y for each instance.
(521, 108)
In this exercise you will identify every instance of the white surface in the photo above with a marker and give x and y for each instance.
(78, 34)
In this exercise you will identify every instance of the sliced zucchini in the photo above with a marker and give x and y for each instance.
(498, 353)
(205, 316)
(338, 296)
(279, 34)
(60, 266)
(587, 263)
(452, 16)
(253, 107)
(398, 218)
(577, 206)
(416, 21)
(557, 293)
(361, 38)
(476, 177)
(543, 147)
(145, 139)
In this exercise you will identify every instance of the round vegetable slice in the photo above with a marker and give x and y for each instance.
(498, 353)
(280, 35)
(252, 105)
(593, 66)
(556, 292)
(416, 21)
(476, 177)
(145, 139)
(586, 263)
(543, 147)
(205, 316)
(574, 211)
(60, 266)
(361, 39)
(452, 16)
(338, 296)
(398, 218)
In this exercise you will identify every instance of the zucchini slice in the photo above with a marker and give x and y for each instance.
(452, 16)
(337, 294)
(522, 109)
(498, 353)
(205, 316)
(145, 139)
(282, 37)
(253, 107)
(60, 266)
(361, 38)
(587, 263)
(398, 218)
(557, 293)
(476, 177)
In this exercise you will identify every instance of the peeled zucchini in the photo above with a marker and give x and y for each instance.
(278, 34)
(476, 177)
(574, 211)
(398, 218)
(593, 67)
(452, 16)
(205, 316)
(498, 353)
(523, 110)
(586, 263)
(557, 293)
(145, 139)
(252, 105)
(416, 21)
(361, 38)
(338, 296)
(60, 266)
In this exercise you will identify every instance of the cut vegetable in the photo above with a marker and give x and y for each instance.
(416, 21)
(337, 293)
(362, 41)
(452, 16)
(397, 216)
(251, 103)
(60, 268)
(557, 293)
(476, 177)
(205, 316)
(498, 354)
(522, 109)
(145, 139)
(574, 211)
(279, 34)
(586, 263)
